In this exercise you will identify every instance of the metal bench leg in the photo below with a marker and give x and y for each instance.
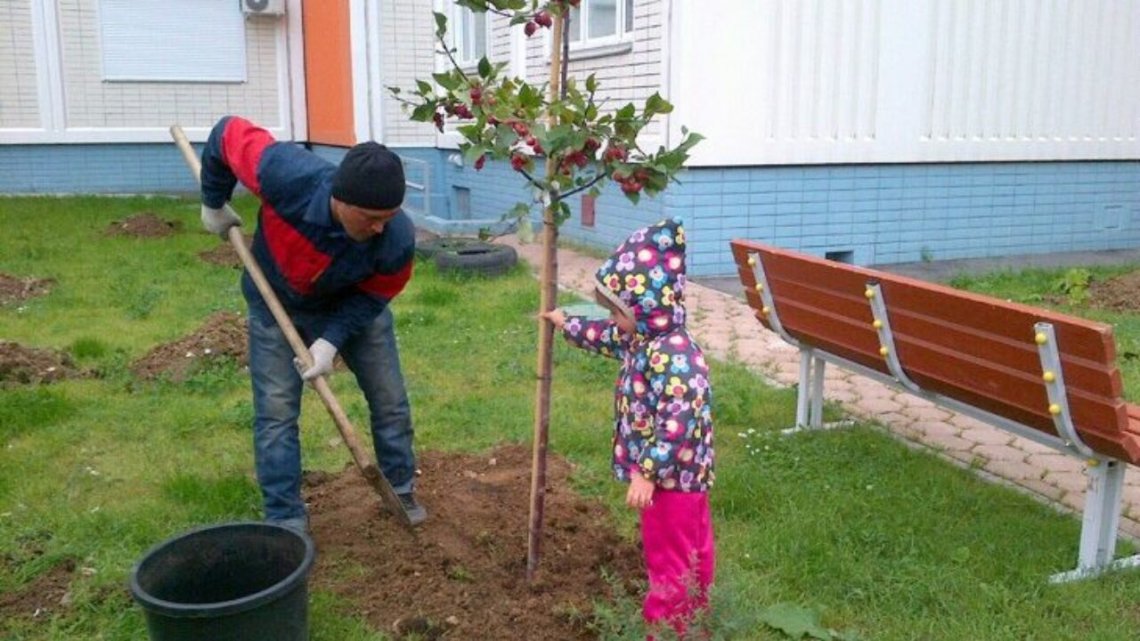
(1102, 514)
(809, 396)
(803, 393)
(815, 412)
(1099, 524)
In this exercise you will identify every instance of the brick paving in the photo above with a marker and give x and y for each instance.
(727, 330)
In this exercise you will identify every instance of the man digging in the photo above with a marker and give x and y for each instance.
(336, 249)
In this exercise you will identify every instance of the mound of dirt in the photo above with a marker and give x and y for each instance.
(221, 336)
(224, 255)
(19, 364)
(1120, 294)
(461, 575)
(46, 596)
(145, 224)
(17, 290)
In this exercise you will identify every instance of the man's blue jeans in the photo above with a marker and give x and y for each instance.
(373, 357)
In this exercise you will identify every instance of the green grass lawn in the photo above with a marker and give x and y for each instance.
(878, 540)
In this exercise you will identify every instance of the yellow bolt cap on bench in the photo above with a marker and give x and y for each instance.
(764, 310)
(1041, 338)
(869, 293)
(1049, 376)
(759, 287)
(751, 261)
(1054, 409)
(883, 351)
(877, 324)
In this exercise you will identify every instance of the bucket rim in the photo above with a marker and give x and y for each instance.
(233, 606)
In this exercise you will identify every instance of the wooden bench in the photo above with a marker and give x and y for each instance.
(1045, 376)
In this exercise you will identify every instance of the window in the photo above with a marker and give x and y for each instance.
(165, 40)
(469, 35)
(600, 21)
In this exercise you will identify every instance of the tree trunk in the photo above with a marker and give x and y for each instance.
(548, 284)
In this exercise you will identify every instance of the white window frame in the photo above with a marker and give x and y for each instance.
(461, 35)
(620, 41)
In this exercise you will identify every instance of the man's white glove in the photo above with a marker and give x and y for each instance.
(322, 353)
(219, 221)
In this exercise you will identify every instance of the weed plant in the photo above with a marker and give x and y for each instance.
(844, 534)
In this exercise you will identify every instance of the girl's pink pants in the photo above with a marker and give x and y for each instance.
(680, 557)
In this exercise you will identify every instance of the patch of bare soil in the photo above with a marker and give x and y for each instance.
(18, 290)
(145, 224)
(461, 575)
(221, 336)
(224, 254)
(46, 596)
(19, 364)
(1120, 294)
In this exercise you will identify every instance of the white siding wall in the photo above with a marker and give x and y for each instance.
(406, 54)
(85, 108)
(823, 81)
(19, 88)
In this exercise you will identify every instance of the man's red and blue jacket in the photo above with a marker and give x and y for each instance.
(313, 266)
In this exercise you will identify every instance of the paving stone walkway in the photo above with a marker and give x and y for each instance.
(727, 330)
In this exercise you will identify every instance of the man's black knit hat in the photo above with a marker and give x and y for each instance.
(370, 176)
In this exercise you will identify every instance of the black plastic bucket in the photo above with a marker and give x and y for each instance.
(235, 581)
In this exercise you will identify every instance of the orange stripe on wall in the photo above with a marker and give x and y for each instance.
(328, 72)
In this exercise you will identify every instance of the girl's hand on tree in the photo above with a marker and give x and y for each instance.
(556, 316)
(640, 493)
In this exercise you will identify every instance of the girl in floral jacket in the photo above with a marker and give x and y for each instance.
(663, 442)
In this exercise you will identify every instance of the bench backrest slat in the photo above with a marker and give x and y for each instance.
(972, 348)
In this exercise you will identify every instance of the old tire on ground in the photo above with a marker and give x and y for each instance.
(430, 247)
(480, 258)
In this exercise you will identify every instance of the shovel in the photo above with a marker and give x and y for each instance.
(347, 432)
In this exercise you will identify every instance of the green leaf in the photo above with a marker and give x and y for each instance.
(795, 621)
(425, 88)
(591, 83)
(424, 112)
(440, 24)
(447, 81)
(471, 132)
(484, 67)
(655, 104)
(471, 153)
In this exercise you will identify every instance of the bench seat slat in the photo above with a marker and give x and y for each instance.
(1022, 355)
(855, 314)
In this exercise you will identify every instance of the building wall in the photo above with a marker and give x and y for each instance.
(19, 86)
(52, 88)
(886, 81)
(882, 214)
(407, 44)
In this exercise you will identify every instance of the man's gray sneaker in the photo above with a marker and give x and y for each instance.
(416, 513)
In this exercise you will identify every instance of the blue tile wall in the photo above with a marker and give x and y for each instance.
(93, 169)
(881, 214)
(886, 214)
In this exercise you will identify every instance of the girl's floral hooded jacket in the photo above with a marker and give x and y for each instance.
(663, 402)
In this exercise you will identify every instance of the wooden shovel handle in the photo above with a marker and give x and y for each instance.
(320, 384)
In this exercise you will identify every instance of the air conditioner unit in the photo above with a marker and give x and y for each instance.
(263, 7)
